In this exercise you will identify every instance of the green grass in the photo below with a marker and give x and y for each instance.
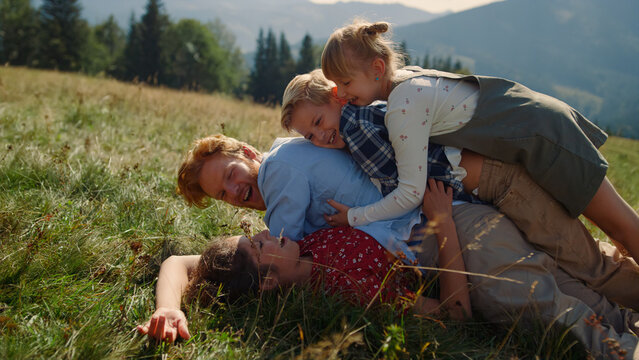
(88, 212)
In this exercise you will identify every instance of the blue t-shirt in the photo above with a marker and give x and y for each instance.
(296, 179)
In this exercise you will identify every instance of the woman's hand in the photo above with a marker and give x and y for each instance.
(166, 325)
(438, 201)
(340, 218)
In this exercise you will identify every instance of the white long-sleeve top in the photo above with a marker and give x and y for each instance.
(418, 108)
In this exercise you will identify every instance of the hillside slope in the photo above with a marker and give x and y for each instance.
(585, 52)
(88, 212)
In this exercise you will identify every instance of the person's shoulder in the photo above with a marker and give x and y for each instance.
(409, 81)
(283, 149)
(296, 151)
(354, 112)
(284, 142)
(416, 87)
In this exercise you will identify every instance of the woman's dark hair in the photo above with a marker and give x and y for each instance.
(224, 269)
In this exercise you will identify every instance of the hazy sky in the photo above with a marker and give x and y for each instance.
(428, 5)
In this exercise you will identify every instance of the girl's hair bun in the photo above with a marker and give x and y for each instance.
(376, 28)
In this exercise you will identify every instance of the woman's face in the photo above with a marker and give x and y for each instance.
(270, 251)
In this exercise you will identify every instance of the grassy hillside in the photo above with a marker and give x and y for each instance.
(88, 212)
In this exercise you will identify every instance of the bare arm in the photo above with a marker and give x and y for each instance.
(426, 306)
(454, 286)
(168, 322)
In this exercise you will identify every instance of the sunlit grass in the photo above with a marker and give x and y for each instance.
(88, 212)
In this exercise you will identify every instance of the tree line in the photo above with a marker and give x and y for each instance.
(187, 54)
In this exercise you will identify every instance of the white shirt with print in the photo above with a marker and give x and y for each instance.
(418, 108)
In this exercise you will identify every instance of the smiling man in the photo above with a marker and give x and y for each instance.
(292, 183)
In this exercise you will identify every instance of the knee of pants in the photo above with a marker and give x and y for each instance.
(535, 299)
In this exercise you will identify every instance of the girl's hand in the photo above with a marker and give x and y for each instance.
(438, 201)
(340, 218)
(166, 325)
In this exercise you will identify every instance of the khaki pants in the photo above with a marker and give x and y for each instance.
(535, 286)
(549, 227)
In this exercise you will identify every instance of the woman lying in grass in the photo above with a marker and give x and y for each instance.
(340, 260)
(350, 263)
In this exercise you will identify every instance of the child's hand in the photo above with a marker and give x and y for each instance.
(340, 218)
(438, 201)
(166, 324)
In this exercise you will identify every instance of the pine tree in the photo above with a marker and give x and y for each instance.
(273, 69)
(265, 76)
(460, 69)
(403, 52)
(153, 27)
(126, 66)
(18, 32)
(63, 35)
(258, 86)
(426, 64)
(307, 60)
(458, 66)
(286, 67)
(272, 65)
(448, 64)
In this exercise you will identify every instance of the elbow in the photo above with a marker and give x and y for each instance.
(460, 310)
(177, 262)
(410, 197)
(171, 260)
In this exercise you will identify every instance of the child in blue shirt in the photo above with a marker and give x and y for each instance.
(361, 130)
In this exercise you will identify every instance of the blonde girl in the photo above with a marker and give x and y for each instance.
(494, 117)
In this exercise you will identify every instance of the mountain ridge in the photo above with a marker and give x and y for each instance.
(246, 17)
(585, 52)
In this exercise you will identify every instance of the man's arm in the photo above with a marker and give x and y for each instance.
(437, 207)
(168, 322)
(363, 131)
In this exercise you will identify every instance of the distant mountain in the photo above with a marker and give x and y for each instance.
(585, 52)
(245, 17)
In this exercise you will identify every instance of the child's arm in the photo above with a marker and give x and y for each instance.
(168, 322)
(415, 108)
(362, 129)
(408, 126)
(406, 195)
(437, 207)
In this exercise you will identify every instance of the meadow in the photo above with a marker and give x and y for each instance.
(88, 212)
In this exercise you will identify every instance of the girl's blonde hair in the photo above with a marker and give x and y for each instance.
(312, 87)
(202, 150)
(360, 42)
